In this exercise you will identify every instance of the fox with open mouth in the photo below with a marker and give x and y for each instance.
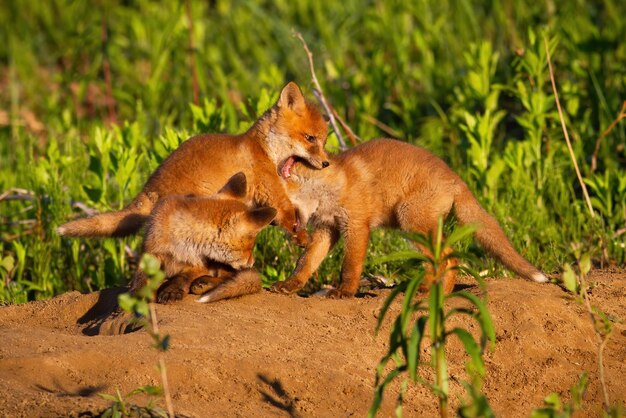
(292, 129)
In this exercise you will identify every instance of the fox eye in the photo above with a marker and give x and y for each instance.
(310, 138)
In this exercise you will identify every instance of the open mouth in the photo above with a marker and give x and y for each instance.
(285, 168)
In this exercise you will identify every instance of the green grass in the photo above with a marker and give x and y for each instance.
(466, 79)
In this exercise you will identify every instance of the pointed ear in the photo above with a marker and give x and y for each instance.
(236, 187)
(291, 97)
(261, 217)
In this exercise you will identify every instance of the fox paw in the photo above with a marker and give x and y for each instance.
(340, 294)
(204, 284)
(288, 286)
(171, 293)
(301, 238)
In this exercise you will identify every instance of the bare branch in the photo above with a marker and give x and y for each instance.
(319, 94)
(84, 208)
(382, 126)
(17, 194)
(569, 144)
(613, 124)
(162, 369)
(354, 138)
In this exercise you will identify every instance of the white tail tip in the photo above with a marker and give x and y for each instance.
(540, 278)
(204, 298)
(61, 230)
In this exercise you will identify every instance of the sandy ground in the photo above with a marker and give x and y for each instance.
(288, 356)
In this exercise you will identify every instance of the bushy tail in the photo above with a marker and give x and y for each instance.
(112, 224)
(491, 236)
(245, 282)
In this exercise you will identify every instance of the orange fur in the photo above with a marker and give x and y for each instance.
(293, 128)
(386, 183)
(198, 236)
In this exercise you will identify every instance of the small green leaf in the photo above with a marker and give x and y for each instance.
(165, 343)
(94, 194)
(585, 264)
(569, 279)
(378, 393)
(107, 397)
(386, 304)
(471, 348)
(126, 302)
(8, 263)
(553, 400)
(150, 264)
(413, 349)
(148, 390)
(484, 319)
(95, 166)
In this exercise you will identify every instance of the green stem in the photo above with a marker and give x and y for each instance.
(439, 353)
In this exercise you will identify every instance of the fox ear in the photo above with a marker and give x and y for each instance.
(261, 217)
(292, 97)
(236, 186)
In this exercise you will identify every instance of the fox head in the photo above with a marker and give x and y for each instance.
(298, 131)
(239, 224)
(235, 242)
(197, 230)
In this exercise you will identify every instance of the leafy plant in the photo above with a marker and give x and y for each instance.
(575, 281)
(420, 318)
(140, 305)
(122, 408)
(554, 407)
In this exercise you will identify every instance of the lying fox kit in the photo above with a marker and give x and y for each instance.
(291, 130)
(386, 183)
(195, 237)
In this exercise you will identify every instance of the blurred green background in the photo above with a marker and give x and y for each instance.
(94, 94)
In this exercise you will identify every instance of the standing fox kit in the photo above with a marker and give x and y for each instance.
(292, 129)
(205, 237)
(392, 184)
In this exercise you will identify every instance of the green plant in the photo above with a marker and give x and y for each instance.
(575, 281)
(433, 72)
(408, 331)
(140, 305)
(554, 407)
(121, 407)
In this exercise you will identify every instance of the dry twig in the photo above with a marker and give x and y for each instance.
(613, 124)
(382, 126)
(354, 138)
(319, 94)
(162, 369)
(17, 194)
(84, 208)
(569, 144)
(603, 339)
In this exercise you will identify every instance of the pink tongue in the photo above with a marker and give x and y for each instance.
(286, 170)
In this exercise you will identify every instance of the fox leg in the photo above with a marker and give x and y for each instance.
(177, 286)
(203, 284)
(423, 217)
(322, 241)
(208, 282)
(356, 240)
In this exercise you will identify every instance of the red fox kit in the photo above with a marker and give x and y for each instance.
(291, 129)
(211, 236)
(385, 183)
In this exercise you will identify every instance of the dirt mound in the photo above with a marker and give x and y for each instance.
(275, 355)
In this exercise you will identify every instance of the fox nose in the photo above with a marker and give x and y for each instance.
(325, 164)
